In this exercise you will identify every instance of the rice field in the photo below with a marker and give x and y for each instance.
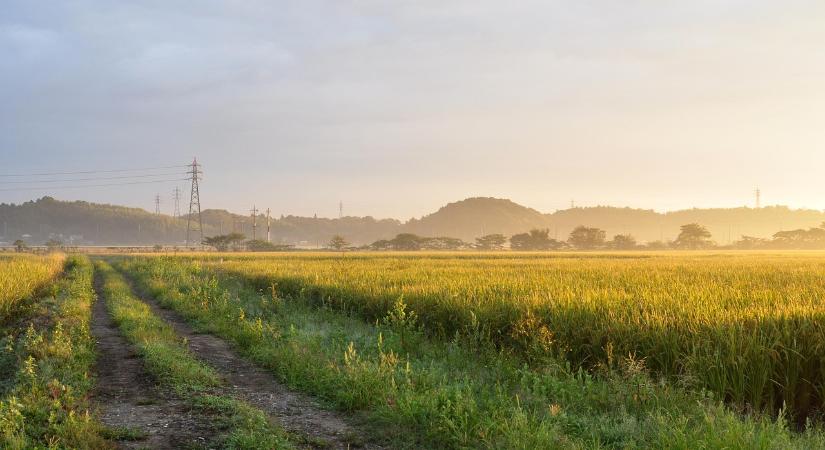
(748, 327)
(22, 275)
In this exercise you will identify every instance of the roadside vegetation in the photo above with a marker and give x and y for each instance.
(47, 359)
(449, 359)
(167, 358)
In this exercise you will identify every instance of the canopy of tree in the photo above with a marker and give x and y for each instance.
(534, 240)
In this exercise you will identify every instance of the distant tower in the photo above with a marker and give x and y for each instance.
(268, 227)
(572, 204)
(341, 209)
(193, 223)
(157, 204)
(176, 197)
(254, 212)
(758, 198)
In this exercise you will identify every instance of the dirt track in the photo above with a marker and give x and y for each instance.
(127, 397)
(296, 412)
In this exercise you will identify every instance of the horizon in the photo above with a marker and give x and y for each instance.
(392, 110)
(275, 215)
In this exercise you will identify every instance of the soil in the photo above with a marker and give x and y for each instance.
(297, 413)
(128, 399)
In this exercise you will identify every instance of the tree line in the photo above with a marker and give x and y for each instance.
(692, 236)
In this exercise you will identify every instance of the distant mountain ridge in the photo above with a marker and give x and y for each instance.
(85, 223)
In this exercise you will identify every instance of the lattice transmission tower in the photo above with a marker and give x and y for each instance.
(194, 224)
(176, 197)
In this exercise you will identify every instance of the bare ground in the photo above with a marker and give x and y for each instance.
(296, 412)
(128, 398)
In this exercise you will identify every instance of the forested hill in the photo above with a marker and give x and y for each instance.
(86, 223)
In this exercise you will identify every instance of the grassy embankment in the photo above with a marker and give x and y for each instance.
(456, 392)
(170, 362)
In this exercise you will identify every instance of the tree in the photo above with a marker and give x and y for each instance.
(623, 242)
(751, 243)
(406, 241)
(222, 242)
(693, 237)
(587, 238)
(53, 244)
(259, 245)
(442, 243)
(381, 244)
(338, 243)
(657, 245)
(491, 242)
(20, 245)
(534, 240)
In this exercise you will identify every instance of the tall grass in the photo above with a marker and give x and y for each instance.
(46, 367)
(21, 276)
(457, 393)
(750, 328)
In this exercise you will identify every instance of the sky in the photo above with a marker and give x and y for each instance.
(396, 108)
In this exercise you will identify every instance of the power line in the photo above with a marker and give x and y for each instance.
(148, 175)
(45, 188)
(42, 174)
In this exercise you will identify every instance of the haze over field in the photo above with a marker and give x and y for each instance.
(399, 108)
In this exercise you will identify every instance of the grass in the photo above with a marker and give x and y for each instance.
(748, 327)
(47, 364)
(170, 362)
(21, 276)
(420, 389)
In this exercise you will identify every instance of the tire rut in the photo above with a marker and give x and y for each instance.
(296, 412)
(128, 398)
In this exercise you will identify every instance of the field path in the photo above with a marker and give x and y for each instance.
(296, 412)
(127, 397)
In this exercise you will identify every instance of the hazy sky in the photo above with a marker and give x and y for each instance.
(397, 107)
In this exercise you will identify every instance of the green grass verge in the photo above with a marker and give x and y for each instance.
(420, 392)
(47, 367)
(170, 362)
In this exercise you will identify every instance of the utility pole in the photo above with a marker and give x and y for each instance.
(341, 209)
(157, 204)
(572, 204)
(176, 196)
(194, 204)
(758, 198)
(268, 227)
(254, 212)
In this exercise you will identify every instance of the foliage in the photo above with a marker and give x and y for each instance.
(534, 240)
(623, 242)
(20, 246)
(338, 243)
(587, 238)
(223, 242)
(412, 242)
(258, 245)
(693, 237)
(491, 242)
